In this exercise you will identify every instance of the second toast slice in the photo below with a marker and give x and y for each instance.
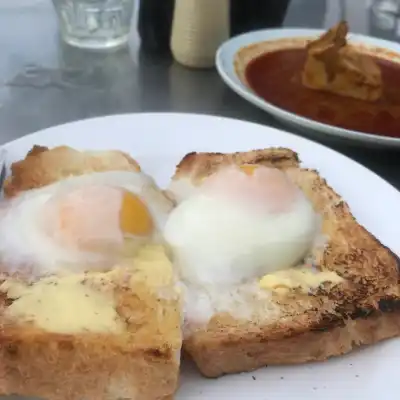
(300, 324)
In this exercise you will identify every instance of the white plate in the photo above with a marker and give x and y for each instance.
(158, 141)
(224, 62)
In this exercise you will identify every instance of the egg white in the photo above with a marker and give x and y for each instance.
(182, 188)
(246, 301)
(26, 248)
(215, 241)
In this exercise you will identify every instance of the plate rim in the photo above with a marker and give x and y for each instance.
(171, 114)
(195, 381)
(234, 44)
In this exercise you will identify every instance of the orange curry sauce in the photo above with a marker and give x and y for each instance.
(276, 77)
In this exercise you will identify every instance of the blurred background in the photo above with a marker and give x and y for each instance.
(374, 17)
(44, 82)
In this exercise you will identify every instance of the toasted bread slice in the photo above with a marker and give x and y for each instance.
(360, 309)
(96, 335)
(43, 166)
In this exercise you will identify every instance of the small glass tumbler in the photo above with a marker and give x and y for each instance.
(95, 24)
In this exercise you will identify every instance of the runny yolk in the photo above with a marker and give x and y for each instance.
(97, 217)
(248, 169)
(134, 217)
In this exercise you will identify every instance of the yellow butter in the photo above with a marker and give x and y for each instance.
(63, 304)
(78, 302)
(302, 278)
(153, 267)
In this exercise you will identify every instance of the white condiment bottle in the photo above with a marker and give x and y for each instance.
(198, 28)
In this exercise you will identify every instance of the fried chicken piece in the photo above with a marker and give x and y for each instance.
(335, 66)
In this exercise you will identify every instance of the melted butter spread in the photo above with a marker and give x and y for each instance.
(86, 302)
(63, 304)
(304, 279)
(153, 267)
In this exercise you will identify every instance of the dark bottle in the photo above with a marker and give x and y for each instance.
(250, 15)
(155, 19)
(155, 23)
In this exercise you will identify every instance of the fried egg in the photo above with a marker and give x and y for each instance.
(81, 223)
(240, 224)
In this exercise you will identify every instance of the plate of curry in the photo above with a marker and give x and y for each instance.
(325, 82)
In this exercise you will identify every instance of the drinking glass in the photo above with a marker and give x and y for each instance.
(94, 24)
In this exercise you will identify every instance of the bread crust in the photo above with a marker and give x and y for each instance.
(62, 368)
(43, 166)
(215, 358)
(363, 309)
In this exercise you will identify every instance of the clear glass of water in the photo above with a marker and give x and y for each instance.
(95, 24)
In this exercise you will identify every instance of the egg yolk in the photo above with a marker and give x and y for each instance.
(134, 217)
(98, 216)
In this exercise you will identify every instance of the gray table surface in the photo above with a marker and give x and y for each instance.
(45, 83)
